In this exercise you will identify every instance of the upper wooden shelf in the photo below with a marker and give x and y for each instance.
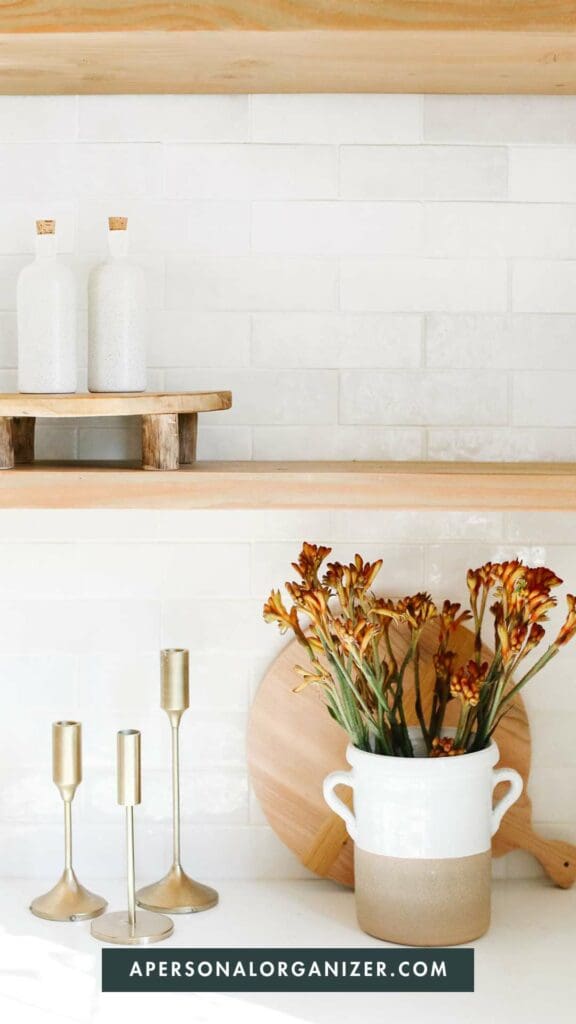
(211, 46)
(277, 485)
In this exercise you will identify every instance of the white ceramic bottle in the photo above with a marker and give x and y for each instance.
(46, 301)
(117, 318)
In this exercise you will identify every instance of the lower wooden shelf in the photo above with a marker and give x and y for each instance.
(282, 485)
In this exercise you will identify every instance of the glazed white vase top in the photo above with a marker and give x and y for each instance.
(117, 318)
(46, 304)
(423, 807)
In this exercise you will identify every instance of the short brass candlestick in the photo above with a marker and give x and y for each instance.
(129, 927)
(68, 900)
(176, 892)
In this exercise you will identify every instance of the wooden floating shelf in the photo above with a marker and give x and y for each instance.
(284, 485)
(227, 46)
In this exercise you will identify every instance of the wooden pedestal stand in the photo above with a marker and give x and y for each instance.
(169, 422)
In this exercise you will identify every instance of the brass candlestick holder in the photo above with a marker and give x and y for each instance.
(128, 927)
(176, 892)
(68, 900)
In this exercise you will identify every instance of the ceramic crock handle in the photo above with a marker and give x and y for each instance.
(516, 785)
(338, 805)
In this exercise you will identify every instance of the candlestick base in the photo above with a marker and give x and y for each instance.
(147, 928)
(177, 894)
(68, 901)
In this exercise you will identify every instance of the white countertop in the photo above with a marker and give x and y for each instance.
(525, 965)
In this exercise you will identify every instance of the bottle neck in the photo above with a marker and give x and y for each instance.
(118, 244)
(46, 247)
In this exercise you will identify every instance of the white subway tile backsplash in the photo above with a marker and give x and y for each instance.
(421, 285)
(544, 399)
(55, 442)
(46, 169)
(8, 341)
(49, 680)
(251, 172)
(184, 339)
(116, 170)
(513, 342)
(500, 119)
(10, 267)
(432, 398)
(220, 679)
(338, 119)
(544, 286)
(335, 339)
(423, 172)
(552, 791)
(18, 228)
(206, 625)
(336, 228)
(217, 796)
(505, 230)
(38, 118)
(250, 283)
(164, 118)
(411, 526)
(267, 396)
(257, 853)
(402, 573)
(502, 445)
(551, 527)
(218, 228)
(216, 740)
(543, 174)
(114, 443)
(227, 443)
(345, 442)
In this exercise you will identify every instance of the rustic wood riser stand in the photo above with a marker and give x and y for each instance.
(169, 422)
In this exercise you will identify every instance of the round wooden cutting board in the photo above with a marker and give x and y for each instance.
(293, 743)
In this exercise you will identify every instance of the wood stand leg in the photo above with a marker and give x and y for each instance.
(160, 441)
(188, 430)
(23, 439)
(6, 445)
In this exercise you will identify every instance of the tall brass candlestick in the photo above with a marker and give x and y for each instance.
(129, 927)
(68, 900)
(176, 892)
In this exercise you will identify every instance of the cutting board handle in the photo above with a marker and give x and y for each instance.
(556, 857)
(328, 842)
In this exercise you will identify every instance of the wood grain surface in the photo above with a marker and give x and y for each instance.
(273, 15)
(293, 744)
(128, 404)
(248, 61)
(279, 485)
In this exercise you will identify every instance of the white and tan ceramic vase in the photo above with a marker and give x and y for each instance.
(422, 829)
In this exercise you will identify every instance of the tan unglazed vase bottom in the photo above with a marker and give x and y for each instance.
(416, 902)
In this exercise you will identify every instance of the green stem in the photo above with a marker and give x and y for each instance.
(418, 695)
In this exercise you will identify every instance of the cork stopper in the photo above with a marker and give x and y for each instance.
(117, 223)
(45, 227)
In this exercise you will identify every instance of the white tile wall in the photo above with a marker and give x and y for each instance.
(374, 277)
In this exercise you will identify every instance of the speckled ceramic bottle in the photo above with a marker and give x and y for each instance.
(117, 318)
(422, 829)
(46, 302)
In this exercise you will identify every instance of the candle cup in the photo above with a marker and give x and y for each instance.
(68, 900)
(176, 892)
(130, 927)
